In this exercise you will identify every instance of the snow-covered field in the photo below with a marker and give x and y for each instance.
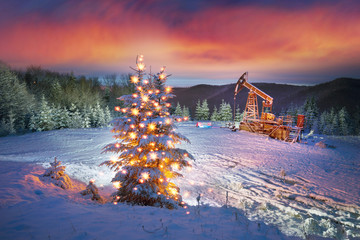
(275, 189)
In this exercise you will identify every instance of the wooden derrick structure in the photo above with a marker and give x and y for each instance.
(282, 128)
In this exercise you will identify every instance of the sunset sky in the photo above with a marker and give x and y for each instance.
(199, 41)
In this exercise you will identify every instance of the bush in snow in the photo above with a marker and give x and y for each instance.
(147, 158)
(57, 173)
(92, 190)
(311, 227)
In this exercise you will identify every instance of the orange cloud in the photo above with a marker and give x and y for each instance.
(217, 42)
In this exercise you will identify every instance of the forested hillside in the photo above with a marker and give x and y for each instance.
(38, 100)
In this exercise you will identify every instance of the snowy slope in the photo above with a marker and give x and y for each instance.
(319, 195)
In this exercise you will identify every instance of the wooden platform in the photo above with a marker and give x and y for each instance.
(270, 128)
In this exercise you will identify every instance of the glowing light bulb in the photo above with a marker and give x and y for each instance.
(141, 125)
(135, 188)
(162, 76)
(135, 111)
(117, 108)
(168, 121)
(139, 149)
(117, 145)
(132, 135)
(187, 212)
(132, 126)
(145, 98)
(175, 166)
(163, 98)
(141, 66)
(157, 91)
(141, 180)
(116, 184)
(145, 175)
(153, 156)
(151, 126)
(146, 81)
(149, 113)
(134, 79)
(113, 159)
(167, 104)
(123, 171)
(115, 203)
(139, 88)
(168, 89)
(173, 191)
(124, 110)
(144, 136)
(135, 95)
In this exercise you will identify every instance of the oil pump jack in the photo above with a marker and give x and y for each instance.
(280, 128)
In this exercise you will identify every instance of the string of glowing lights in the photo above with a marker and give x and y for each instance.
(146, 139)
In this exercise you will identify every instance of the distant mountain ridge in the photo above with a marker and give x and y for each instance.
(337, 93)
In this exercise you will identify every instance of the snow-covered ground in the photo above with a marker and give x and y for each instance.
(275, 189)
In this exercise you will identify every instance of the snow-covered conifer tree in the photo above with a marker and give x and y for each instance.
(61, 117)
(147, 158)
(343, 122)
(215, 115)
(76, 120)
(86, 117)
(178, 110)
(92, 190)
(225, 111)
(238, 117)
(57, 173)
(43, 119)
(186, 112)
(205, 111)
(107, 116)
(98, 116)
(198, 110)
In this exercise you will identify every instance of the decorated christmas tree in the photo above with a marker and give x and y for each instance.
(147, 158)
